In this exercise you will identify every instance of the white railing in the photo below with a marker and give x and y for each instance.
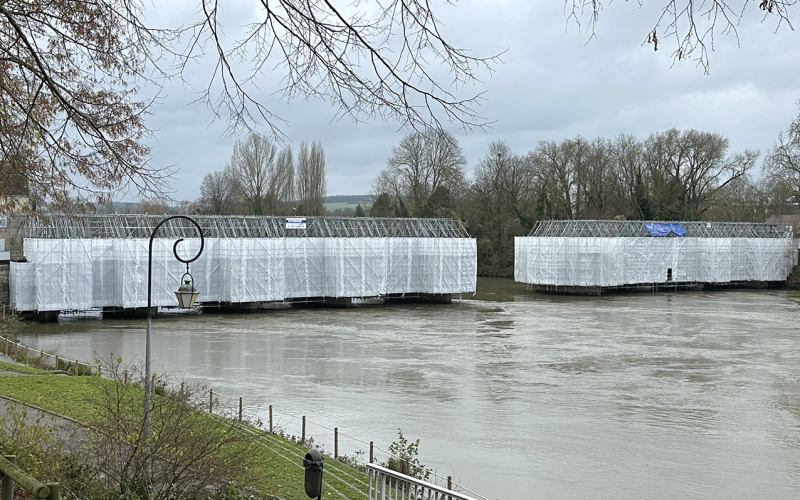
(386, 484)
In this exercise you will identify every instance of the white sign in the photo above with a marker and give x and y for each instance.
(295, 223)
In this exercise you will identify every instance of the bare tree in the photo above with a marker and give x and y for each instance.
(689, 27)
(311, 179)
(253, 169)
(741, 200)
(70, 120)
(782, 164)
(600, 181)
(71, 73)
(502, 203)
(560, 168)
(686, 169)
(633, 200)
(218, 192)
(284, 194)
(422, 163)
(154, 206)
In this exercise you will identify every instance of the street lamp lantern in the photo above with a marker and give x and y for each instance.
(186, 293)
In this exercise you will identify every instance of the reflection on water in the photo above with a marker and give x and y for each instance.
(516, 394)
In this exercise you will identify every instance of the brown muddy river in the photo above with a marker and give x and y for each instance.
(688, 395)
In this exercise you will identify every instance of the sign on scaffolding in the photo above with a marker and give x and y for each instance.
(295, 223)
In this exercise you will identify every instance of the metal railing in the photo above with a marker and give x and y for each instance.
(11, 474)
(386, 484)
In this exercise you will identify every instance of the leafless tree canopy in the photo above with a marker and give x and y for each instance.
(254, 172)
(262, 181)
(284, 171)
(384, 63)
(782, 164)
(69, 117)
(71, 121)
(218, 192)
(420, 165)
(688, 167)
(311, 182)
(689, 27)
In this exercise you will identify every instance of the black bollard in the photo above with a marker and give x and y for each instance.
(312, 463)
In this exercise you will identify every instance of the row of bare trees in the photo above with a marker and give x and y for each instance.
(669, 175)
(260, 180)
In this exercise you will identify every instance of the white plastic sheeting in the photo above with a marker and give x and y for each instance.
(85, 273)
(608, 262)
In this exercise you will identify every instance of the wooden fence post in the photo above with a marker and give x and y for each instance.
(270, 419)
(210, 401)
(55, 491)
(240, 410)
(7, 491)
(371, 452)
(303, 437)
(335, 442)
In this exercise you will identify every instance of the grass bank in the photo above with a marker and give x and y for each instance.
(274, 462)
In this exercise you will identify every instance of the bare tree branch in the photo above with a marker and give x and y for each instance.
(692, 25)
(71, 120)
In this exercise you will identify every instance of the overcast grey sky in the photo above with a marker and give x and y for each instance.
(553, 83)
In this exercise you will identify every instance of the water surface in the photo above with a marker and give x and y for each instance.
(517, 395)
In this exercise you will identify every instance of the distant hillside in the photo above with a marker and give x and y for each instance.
(335, 205)
(345, 205)
(353, 199)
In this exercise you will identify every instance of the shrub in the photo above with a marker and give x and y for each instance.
(405, 458)
(43, 451)
(188, 453)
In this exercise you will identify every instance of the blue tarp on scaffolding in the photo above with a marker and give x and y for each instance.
(664, 228)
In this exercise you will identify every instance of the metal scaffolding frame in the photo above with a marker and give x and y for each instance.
(60, 226)
(636, 228)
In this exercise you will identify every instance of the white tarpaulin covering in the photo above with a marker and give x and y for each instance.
(607, 262)
(86, 273)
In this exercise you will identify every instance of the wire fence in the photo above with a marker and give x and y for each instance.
(332, 441)
(275, 424)
(39, 358)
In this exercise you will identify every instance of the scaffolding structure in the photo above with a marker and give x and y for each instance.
(613, 254)
(635, 228)
(79, 263)
(61, 226)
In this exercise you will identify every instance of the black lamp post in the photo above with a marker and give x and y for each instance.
(186, 295)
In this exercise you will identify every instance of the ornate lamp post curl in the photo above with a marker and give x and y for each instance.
(186, 295)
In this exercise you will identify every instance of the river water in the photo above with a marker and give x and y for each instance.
(515, 394)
